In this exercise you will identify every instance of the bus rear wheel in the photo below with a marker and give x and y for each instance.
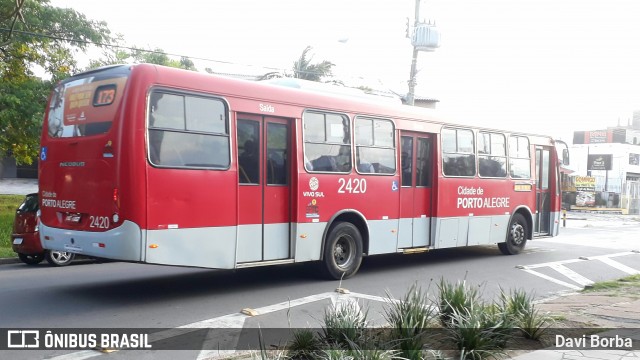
(342, 251)
(516, 236)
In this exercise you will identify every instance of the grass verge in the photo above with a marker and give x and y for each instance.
(8, 206)
(629, 281)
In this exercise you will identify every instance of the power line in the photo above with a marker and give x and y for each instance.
(53, 37)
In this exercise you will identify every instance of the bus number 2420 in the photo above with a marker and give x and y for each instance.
(352, 186)
(100, 222)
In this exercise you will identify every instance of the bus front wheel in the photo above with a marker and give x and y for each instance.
(342, 251)
(516, 236)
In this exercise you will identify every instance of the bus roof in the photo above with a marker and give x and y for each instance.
(311, 95)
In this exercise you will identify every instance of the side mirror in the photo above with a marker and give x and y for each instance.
(565, 156)
(565, 151)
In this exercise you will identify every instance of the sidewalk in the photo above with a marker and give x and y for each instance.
(12, 186)
(617, 310)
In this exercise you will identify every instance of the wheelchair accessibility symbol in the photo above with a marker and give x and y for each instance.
(394, 186)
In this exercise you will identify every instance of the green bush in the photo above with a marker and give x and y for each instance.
(519, 306)
(478, 330)
(410, 319)
(455, 298)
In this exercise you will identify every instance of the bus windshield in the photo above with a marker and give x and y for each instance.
(86, 104)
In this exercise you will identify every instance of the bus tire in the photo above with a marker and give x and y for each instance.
(516, 236)
(342, 251)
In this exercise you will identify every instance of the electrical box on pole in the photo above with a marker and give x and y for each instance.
(426, 37)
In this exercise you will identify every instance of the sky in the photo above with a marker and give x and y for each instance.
(542, 66)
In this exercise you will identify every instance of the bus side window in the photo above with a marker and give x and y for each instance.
(406, 161)
(519, 157)
(458, 158)
(492, 155)
(375, 146)
(249, 162)
(423, 162)
(327, 142)
(248, 152)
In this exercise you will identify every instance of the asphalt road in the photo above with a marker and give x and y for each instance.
(123, 295)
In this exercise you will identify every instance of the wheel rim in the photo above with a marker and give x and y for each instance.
(61, 257)
(343, 251)
(517, 234)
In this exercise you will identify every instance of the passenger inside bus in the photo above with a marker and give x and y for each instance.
(276, 165)
(406, 162)
(325, 163)
(363, 165)
(249, 163)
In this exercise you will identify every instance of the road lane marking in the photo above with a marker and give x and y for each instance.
(554, 280)
(549, 264)
(559, 266)
(572, 275)
(622, 267)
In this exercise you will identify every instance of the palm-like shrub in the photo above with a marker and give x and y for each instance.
(455, 298)
(479, 331)
(519, 305)
(344, 324)
(410, 319)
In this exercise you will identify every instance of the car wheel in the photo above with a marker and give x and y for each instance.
(31, 259)
(59, 258)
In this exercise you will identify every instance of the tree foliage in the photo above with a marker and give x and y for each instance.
(36, 35)
(119, 54)
(303, 68)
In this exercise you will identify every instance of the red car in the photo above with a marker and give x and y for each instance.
(26, 239)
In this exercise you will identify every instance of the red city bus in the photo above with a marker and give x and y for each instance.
(158, 165)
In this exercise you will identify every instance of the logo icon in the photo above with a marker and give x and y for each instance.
(314, 184)
(23, 339)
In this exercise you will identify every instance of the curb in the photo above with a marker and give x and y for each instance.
(9, 261)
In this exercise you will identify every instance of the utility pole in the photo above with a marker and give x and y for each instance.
(414, 59)
(424, 37)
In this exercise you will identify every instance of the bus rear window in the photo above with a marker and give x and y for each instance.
(84, 106)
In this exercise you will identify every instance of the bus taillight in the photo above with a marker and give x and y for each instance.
(116, 202)
(116, 197)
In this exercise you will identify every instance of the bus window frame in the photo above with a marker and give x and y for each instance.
(509, 157)
(491, 155)
(373, 145)
(304, 141)
(474, 152)
(174, 91)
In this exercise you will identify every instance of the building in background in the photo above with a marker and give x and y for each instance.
(10, 170)
(611, 157)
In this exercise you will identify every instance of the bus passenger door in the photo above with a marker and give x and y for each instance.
(416, 164)
(543, 196)
(264, 213)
